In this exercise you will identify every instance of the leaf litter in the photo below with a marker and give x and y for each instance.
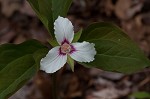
(19, 23)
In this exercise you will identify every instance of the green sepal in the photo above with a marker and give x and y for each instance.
(77, 36)
(53, 42)
(70, 61)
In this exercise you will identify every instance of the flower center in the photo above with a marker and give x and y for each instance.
(65, 48)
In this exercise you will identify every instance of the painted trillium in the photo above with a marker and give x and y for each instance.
(57, 56)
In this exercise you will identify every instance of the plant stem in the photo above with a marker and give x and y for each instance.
(54, 86)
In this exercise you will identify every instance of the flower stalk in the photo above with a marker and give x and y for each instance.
(54, 86)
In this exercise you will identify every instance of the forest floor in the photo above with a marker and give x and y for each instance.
(18, 22)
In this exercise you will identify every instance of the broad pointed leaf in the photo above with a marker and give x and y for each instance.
(60, 8)
(115, 50)
(18, 63)
(44, 12)
(49, 10)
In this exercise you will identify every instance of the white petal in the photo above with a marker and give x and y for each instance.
(85, 52)
(53, 61)
(63, 30)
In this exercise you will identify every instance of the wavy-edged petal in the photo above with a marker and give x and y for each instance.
(84, 52)
(63, 30)
(53, 61)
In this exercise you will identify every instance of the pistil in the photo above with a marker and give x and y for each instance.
(65, 48)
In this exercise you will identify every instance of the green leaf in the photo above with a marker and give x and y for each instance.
(115, 50)
(44, 12)
(38, 55)
(70, 61)
(60, 8)
(49, 10)
(141, 95)
(18, 63)
(77, 36)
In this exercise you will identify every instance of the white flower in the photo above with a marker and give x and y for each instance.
(57, 56)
